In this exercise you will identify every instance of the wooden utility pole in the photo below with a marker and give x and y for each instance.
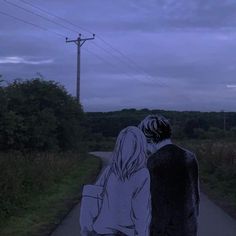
(224, 120)
(79, 42)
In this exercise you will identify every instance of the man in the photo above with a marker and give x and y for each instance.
(174, 181)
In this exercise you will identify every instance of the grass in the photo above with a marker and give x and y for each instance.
(217, 168)
(37, 212)
(102, 144)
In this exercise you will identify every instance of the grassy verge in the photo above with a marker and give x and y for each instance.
(102, 144)
(217, 168)
(39, 211)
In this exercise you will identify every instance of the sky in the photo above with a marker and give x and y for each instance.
(156, 54)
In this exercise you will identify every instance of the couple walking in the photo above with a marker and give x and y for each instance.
(150, 188)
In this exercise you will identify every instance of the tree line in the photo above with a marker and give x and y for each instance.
(186, 124)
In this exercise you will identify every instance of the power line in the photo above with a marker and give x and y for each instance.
(51, 21)
(103, 60)
(128, 75)
(54, 32)
(108, 63)
(99, 57)
(56, 16)
(19, 19)
(130, 61)
(77, 26)
(32, 24)
(133, 64)
(108, 52)
(50, 14)
(122, 61)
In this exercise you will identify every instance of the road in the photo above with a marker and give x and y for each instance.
(213, 221)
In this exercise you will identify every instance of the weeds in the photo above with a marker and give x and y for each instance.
(217, 168)
(24, 176)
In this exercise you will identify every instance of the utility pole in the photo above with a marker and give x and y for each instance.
(224, 120)
(79, 42)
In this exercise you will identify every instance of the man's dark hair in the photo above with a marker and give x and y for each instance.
(156, 128)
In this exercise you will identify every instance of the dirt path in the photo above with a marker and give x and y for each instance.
(213, 221)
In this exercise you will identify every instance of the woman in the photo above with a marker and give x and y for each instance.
(126, 208)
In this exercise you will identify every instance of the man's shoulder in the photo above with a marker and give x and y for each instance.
(190, 157)
(188, 152)
(172, 150)
(161, 154)
(169, 148)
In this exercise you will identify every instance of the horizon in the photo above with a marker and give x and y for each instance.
(121, 108)
(157, 109)
(167, 54)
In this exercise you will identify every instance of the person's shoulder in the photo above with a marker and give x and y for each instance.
(165, 150)
(187, 151)
(101, 179)
(141, 174)
(190, 155)
(143, 171)
(171, 147)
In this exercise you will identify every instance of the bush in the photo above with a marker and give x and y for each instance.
(39, 115)
(215, 133)
(200, 133)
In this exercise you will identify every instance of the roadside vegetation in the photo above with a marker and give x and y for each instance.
(217, 162)
(38, 190)
(43, 156)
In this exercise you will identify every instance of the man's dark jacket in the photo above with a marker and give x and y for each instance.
(174, 192)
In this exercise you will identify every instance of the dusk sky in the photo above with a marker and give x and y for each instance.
(156, 54)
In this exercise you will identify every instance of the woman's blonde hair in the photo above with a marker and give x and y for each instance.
(129, 154)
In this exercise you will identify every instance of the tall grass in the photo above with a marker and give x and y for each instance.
(24, 176)
(215, 154)
(217, 168)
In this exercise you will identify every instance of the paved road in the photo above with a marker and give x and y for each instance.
(213, 221)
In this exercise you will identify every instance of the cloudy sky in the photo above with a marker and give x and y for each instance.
(162, 54)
